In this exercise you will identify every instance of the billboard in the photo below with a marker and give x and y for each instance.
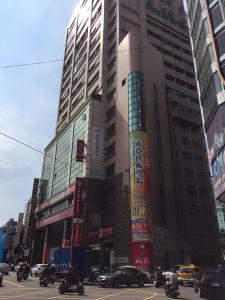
(216, 133)
(218, 173)
(141, 232)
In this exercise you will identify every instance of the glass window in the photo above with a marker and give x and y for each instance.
(216, 15)
(220, 41)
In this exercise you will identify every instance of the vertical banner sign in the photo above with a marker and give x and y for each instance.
(80, 150)
(141, 231)
(78, 211)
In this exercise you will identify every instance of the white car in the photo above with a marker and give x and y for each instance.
(38, 269)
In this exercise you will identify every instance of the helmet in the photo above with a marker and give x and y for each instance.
(173, 270)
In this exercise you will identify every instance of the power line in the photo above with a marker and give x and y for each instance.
(78, 56)
(30, 64)
(32, 148)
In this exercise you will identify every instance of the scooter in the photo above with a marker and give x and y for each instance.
(171, 291)
(65, 287)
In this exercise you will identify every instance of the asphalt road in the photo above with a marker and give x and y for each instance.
(30, 290)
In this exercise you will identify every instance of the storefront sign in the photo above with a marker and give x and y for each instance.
(93, 234)
(67, 213)
(218, 172)
(105, 231)
(101, 232)
(80, 150)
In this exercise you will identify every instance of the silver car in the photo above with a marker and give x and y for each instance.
(4, 269)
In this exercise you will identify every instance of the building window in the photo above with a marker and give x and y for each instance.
(136, 106)
(187, 156)
(110, 131)
(111, 113)
(185, 141)
(111, 95)
(220, 38)
(124, 82)
(110, 170)
(110, 151)
(111, 80)
(191, 190)
(216, 15)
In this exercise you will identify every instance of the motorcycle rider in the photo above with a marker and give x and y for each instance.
(25, 268)
(159, 277)
(172, 281)
(71, 277)
(49, 271)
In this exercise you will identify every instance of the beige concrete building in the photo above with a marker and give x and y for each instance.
(129, 92)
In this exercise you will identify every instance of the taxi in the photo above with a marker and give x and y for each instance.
(187, 274)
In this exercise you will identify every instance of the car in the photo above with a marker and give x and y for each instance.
(38, 269)
(125, 275)
(1, 278)
(187, 274)
(209, 286)
(4, 268)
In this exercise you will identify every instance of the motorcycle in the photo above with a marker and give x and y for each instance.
(45, 280)
(65, 287)
(171, 291)
(22, 275)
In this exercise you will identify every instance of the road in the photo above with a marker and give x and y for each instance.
(30, 290)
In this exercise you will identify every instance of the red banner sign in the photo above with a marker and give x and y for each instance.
(80, 150)
(79, 201)
(141, 255)
(76, 234)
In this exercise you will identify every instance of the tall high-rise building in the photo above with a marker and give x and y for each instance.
(207, 26)
(127, 172)
(29, 220)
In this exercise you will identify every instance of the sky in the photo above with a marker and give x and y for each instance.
(30, 31)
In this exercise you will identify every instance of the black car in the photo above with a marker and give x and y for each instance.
(209, 286)
(123, 276)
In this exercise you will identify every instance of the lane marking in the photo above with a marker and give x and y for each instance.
(145, 292)
(15, 284)
(151, 297)
(113, 295)
(28, 294)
